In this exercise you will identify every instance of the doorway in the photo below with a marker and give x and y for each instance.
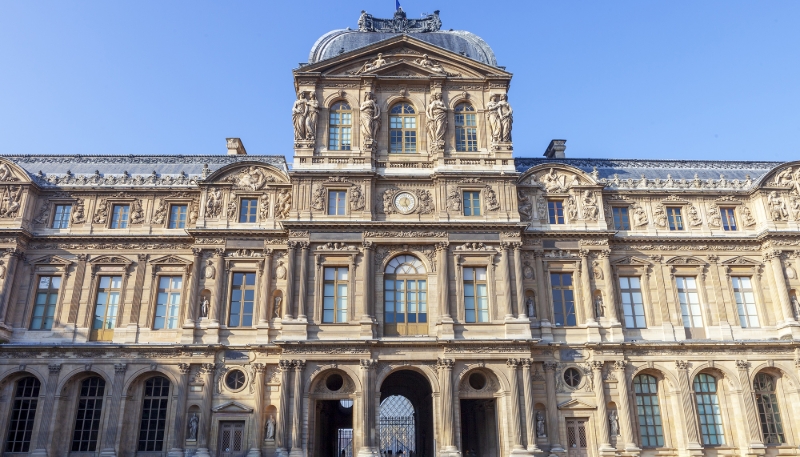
(479, 437)
(405, 425)
(231, 439)
(334, 428)
(576, 438)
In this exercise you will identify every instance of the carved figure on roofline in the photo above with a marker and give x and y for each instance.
(437, 121)
(6, 174)
(373, 65)
(554, 182)
(428, 63)
(370, 121)
(299, 110)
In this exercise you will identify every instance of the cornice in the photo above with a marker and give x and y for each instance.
(361, 226)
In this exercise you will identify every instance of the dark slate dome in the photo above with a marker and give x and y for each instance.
(372, 30)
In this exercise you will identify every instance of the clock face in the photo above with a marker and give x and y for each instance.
(405, 202)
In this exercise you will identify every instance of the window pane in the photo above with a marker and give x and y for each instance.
(632, 305)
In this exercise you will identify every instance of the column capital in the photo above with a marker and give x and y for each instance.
(54, 368)
(681, 365)
(620, 365)
(292, 245)
(303, 245)
(197, 252)
(259, 367)
(445, 364)
(120, 367)
(82, 257)
(209, 367)
(368, 245)
(597, 365)
(526, 363)
(298, 364)
(584, 253)
(442, 245)
(604, 254)
(184, 368)
(219, 252)
(368, 364)
(550, 365)
(773, 254)
(742, 365)
(285, 365)
(513, 363)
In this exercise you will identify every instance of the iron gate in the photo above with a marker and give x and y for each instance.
(344, 447)
(396, 425)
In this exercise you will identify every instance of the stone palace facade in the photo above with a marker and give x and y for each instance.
(405, 287)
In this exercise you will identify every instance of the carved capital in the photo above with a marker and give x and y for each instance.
(742, 365)
(83, 257)
(445, 364)
(597, 365)
(219, 252)
(197, 252)
(368, 245)
(209, 367)
(619, 365)
(298, 364)
(550, 366)
(303, 245)
(284, 365)
(512, 363)
(526, 363)
(584, 253)
(604, 254)
(292, 245)
(442, 246)
(259, 368)
(120, 368)
(184, 368)
(54, 368)
(142, 257)
(681, 364)
(368, 364)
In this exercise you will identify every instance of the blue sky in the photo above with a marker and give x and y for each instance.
(716, 80)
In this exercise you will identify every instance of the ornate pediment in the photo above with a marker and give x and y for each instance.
(51, 260)
(740, 260)
(787, 176)
(575, 404)
(170, 260)
(232, 407)
(247, 176)
(685, 260)
(631, 260)
(111, 259)
(557, 178)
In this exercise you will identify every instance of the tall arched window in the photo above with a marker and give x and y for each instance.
(466, 128)
(769, 413)
(405, 296)
(23, 414)
(645, 387)
(708, 410)
(402, 129)
(340, 127)
(87, 415)
(153, 425)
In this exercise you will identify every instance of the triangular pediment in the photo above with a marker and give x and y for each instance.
(739, 260)
(232, 407)
(51, 260)
(631, 260)
(111, 259)
(170, 260)
(685, 260)
(575, 404)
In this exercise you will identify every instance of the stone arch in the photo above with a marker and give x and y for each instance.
(13, 376)
(78, 374)
(281, 176)
(660, 372)
(774, 370)
(585, 178)
(492, 386)
(352, 383)
(341, 96)
(459, 98)
(414, 101)
(10, 172)
(686, 260)
(768, 179)
(419, 255)
(424, 370)
(146, 373)
(718, 372)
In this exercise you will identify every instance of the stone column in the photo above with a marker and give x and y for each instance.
(204, 432)
(516, 433)
(602, 410)
(179, 429)
(288, 304)
(586, 288)
(685, 388)
(282, 426)
(544, 313)
(194, 281)
(257, 430)
(302, 294)
(112, 424)
(522, 313)
(77, 288)
(781, 292)
(527, 392)
(43, 437)
(751, 421)
(297, 409)
(444, 281)
(624, 410)
(550, 371)
(369, 431)
(448, 443)
(608, 291)
(263, 313)
(8, 284)
(368, 277)
(505, 282)
(219, 282)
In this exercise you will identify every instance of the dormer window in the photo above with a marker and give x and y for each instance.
(402, 129)
(340, 127)
(466, 128)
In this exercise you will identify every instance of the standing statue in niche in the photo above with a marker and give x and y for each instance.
(506, 117)
(204, 304)
(437, 121)
(541, 432)
(311, 117)
(494, 118)
(194, 422)
(530, 306)
(795, 306)
(270, 434)
(613, 423)
(370, 120)
(299, 110)
(599, 306)
(277, 307)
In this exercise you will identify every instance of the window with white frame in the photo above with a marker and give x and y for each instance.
(476, 295)
(689, 298)
(44, 308)
(745, 301)
(168, 302)
(630, 290)
(334, 303)
(709, 412)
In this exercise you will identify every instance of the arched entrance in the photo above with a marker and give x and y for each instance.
(332, 396)
(405, 423)
(480, 429)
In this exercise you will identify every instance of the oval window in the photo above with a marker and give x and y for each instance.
(334, 382)
(477, 381)
(572, 377)
(235, 380)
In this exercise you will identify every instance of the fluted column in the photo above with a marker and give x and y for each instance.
(257, 431)
(527, 392)
(445, 367)
(516, 433)
(178, 427)
(624, 409)
(541, 286)
(194, 281)
(288, 306)
(752, 424)
(110, 438)
(552, 407)
(297, 409)
(444, 281)
(43, 437)
(302, 294)
(219, 282)
(369, 446)
(8, 283)
(522, 313)
(608, 291)
(781, 292)
(602, 410)
(505, 282)
(368, 278)
(586, 288)
(204, 431)
(685, 389)
(281, 440)
(266, 274)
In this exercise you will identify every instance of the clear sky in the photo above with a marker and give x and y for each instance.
(715, 80)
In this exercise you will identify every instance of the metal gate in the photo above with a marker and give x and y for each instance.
(231, 439)
(397, 427)
(344, 448)
(576, 438)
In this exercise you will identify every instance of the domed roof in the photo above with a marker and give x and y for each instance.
(372, 30)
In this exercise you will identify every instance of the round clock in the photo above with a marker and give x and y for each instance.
(405, 202)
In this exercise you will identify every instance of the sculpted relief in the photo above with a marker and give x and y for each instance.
(9, 206)
(437, 122)
(501, 118)
(370, 120)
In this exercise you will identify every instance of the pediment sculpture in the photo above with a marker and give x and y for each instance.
(6, 174)
(788, 177)
(555, 182)
(250, 178)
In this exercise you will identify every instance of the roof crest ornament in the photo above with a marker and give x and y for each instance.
(399, 23)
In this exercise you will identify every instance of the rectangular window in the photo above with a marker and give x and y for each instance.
(728, 219)
(622, 220)
(177, 216)
(334, 305)
(476, 295)
(466, 132)
(46, 299)
(87, 416)
(61, 218)
(632, 305)
(472, 203)
(119, 216)
(168, 302)
(248, 208)
(23, 416)
(709, 411)
(563, 299)
(243, 296)
(674, 218)
(109, 290)
(555, 211)
(336, 202)
(690, 302)
(745, 301)
(340, 133)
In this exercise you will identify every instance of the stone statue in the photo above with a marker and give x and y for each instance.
(194, 211)
(101, 215)
(599, 306)
(194, 422)
(204, 304)
(283, 203)
(639, 217)
(357, 201)
(280, 272)
(660, 216)
(437, 121)
(506, 118)
(371, 66)
(79, 216)
(554, 182)
(430, 64)
(263, 207)
(311, 117)
(613, 422)
(572, 208)
(299, 111)
(137, 213)
(214, 203)
(494, 118)
(777, 207)
(160, 214)
(525, 207)
(271, 427)
(530, 306)
(5, 173)
(597, 272)
(590, 210)
(795, 306)
(370, 120)
(209, 271)
(277, 307)
(541, 432)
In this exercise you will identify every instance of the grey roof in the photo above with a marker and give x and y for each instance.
(461, 42)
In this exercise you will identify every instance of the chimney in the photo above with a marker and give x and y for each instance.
(235, 147)
(555, 150)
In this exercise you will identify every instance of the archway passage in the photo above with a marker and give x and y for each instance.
(406, 417)
(334, 428)
(479, 428)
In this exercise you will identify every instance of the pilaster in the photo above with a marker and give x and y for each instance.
(109, 445)
(624, 410)
(448, 445)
